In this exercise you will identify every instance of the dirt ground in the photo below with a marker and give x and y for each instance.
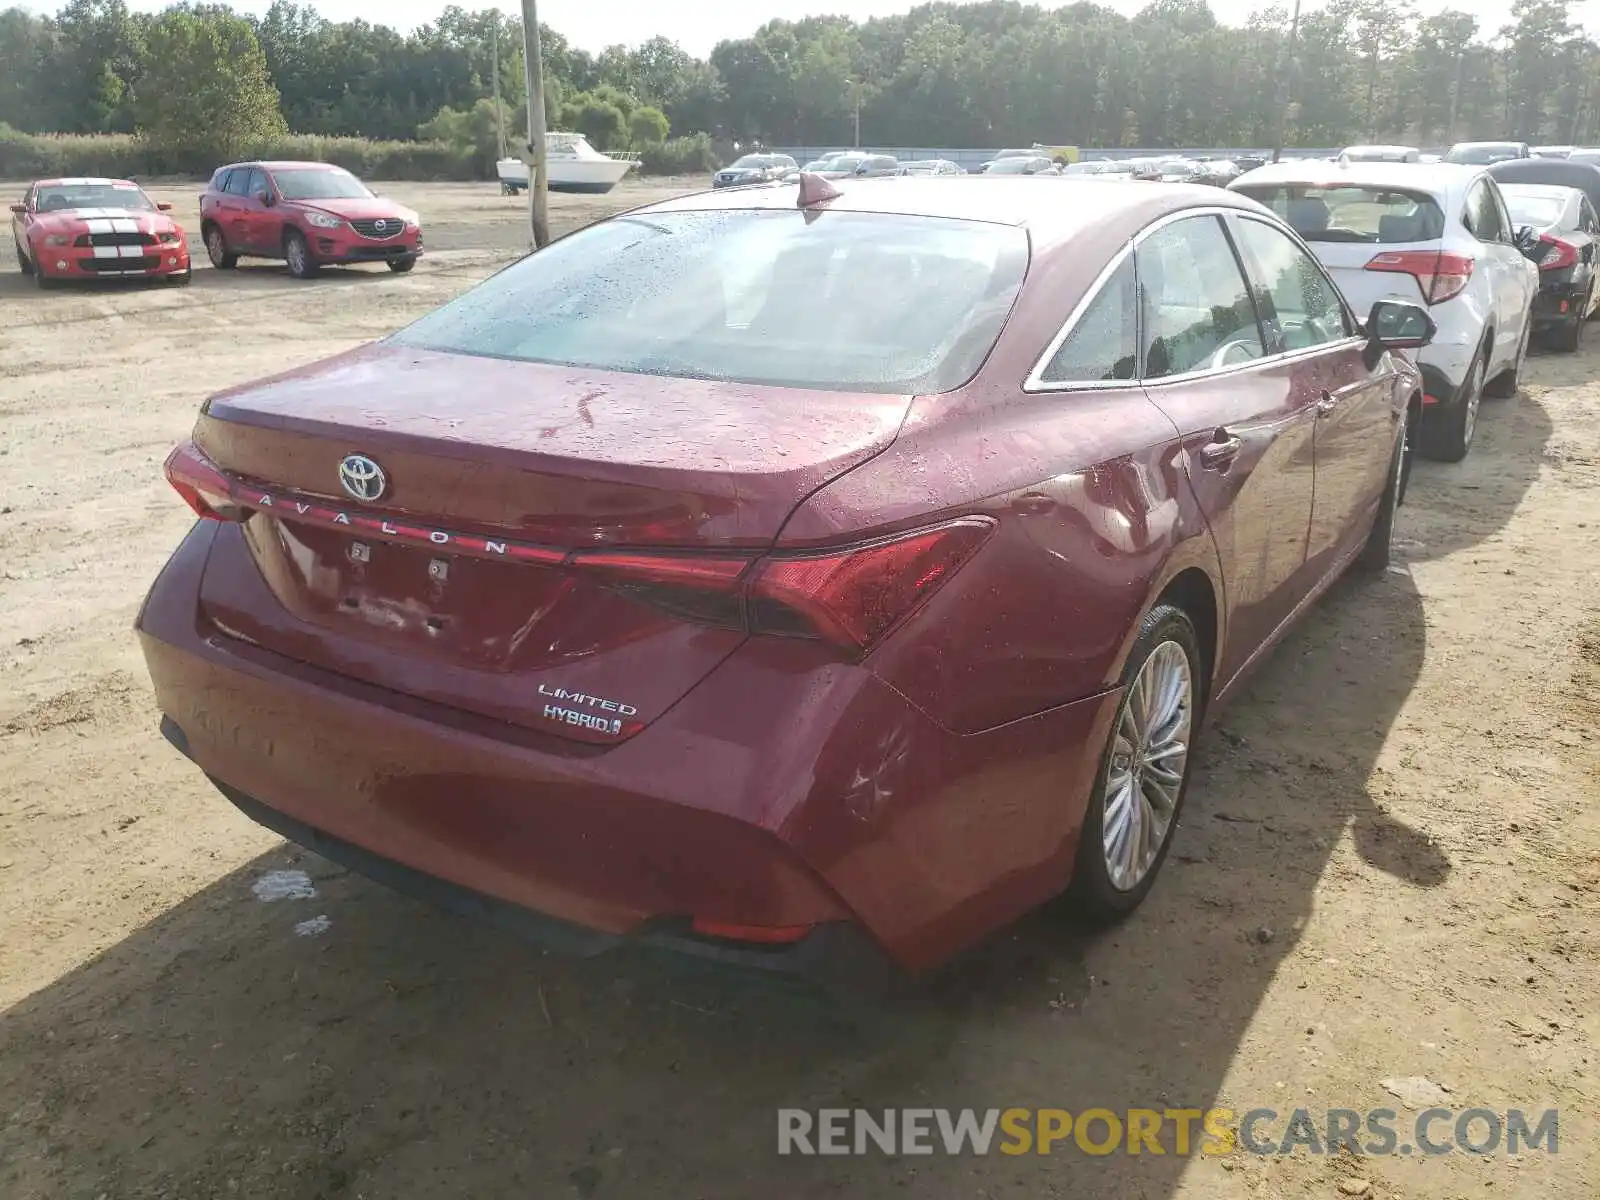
(1388, 866)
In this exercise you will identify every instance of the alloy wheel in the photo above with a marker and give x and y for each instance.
(216, 247)
(1473, 389)
(1149, 755)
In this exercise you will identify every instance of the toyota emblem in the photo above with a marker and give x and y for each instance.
(361, 477)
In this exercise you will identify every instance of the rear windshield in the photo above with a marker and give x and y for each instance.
(1352, 214)
(839, 301)
(1533, 210)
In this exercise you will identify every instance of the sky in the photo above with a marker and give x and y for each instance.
(698, 25)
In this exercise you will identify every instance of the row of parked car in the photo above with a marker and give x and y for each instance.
(1499, 246)
(767, 168)
(308, 214)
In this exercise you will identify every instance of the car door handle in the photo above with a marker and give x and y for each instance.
(1220, 451)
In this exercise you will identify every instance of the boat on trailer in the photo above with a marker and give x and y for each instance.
(573, 164)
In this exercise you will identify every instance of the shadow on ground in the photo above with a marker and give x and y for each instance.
(401, 1053)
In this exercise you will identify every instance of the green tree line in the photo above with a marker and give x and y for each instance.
(943, 74)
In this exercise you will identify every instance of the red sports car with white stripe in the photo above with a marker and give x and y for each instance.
(96, 228)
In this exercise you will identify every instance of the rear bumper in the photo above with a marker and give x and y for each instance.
(1556, 302)
(783, 791)
(837, 954)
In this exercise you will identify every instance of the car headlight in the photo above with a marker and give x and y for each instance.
(58, 239)
(170, 238)
(324, 221)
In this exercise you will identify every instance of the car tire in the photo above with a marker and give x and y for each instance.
(1569, 338)
(401, 265)
(23, 264)
(1110, 881)
(298, 255)
(1509, 382)
(1446, 435)
(217, 249)
(1374, 556)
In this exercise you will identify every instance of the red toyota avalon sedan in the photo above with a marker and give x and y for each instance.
(309, 214)
(794, 576)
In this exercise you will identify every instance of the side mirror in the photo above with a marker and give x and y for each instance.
(19, 209)
(1395, 325)
(163, 206)
(862, 169)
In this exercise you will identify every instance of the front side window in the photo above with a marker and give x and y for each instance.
(868, 302)
(1483, 214)
(1198, 314)
(1104, 343)
(1305, 309)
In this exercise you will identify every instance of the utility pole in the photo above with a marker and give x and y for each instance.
(855, 88)
(1284, 65)
(1455, 91)
(538, 167)
(494, 67)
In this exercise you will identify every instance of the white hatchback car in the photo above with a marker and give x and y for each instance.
(1434, 233)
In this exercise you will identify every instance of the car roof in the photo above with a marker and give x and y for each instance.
(1036, 204)
(1512, 170)
(1479, 145)
(1380, 147)
(1435, 178)
(283, 165)
(82, 181)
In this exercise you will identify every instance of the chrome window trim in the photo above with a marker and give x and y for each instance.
(1266, 360)
(1035, 383)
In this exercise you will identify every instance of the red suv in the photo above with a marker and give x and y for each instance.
(309, 214)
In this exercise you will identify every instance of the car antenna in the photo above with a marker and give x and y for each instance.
(814, 189)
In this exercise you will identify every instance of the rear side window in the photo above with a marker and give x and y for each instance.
(219, 181)
(1197, 310)
(239, 181)
(1104, 344)
(1352, 214)
(842, 301)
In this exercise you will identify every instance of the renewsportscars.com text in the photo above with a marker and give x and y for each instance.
(1176, 1131)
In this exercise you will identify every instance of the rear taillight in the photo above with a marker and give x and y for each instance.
(850, 597)
(1440, 274)
(696, 587)
(854, 596)
(202, 485)
(1555, 254)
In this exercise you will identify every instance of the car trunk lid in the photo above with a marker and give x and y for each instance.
(461, 581)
